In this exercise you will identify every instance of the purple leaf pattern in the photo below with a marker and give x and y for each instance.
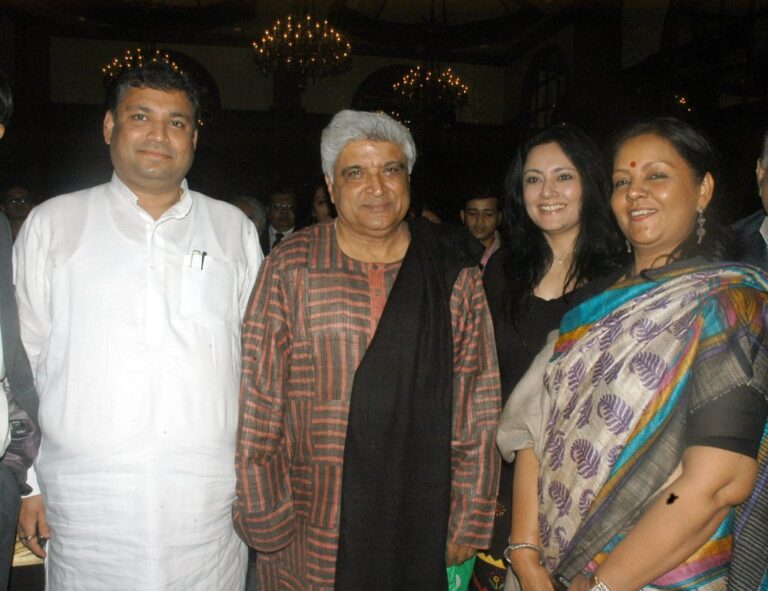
(587, 345)
(649, 367)
(648, 295)
(614, 454)
(562, 542)
(586, 457)
(660, 305)
(703, 274)
(612, 372)
(554, 416)
(607, 338)
(558, 377)
(616, 413)
(556, 449)
(681, 326)
(571, 406)
(644, 330)
(544, 530)
(602, 365)
(616, 317)
(585, 501)
(576, 375)
(585, 412)
(560, 496)
(591, 416)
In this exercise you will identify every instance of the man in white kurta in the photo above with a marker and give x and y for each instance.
(131, 315)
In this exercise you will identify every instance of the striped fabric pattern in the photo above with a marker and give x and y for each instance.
(311, 318)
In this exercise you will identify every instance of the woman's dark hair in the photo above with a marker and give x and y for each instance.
(320, 186)
(527, 254)
(701, 157)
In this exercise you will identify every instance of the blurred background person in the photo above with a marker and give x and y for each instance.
(752, 231)
(17, 202)
(323, 210)
(19, 431)
(425, 208)
(254, 211)
(481, 215)
(281, 214)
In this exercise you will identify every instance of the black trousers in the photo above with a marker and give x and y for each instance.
(10, 500)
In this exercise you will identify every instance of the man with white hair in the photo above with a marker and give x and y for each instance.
(370, 390)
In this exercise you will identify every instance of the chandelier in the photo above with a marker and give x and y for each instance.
(428, 88)
(135, 59)
(302, 46)
(428, 94)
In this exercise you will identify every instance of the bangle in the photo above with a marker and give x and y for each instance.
(523, 546)
(595, 584)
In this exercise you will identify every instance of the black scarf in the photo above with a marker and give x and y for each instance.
(396, 486)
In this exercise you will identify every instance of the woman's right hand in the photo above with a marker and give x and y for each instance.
(529, 571)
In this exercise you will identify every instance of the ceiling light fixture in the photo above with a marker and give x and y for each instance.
(428, 88)
(135, 59)
(303, 47)
(428, 92)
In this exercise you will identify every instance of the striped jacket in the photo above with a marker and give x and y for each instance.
(312, 315)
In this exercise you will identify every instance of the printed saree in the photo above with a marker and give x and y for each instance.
(628, 367)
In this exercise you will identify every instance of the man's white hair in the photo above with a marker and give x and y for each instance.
(347, 126)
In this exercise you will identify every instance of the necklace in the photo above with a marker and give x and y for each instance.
(561, 259)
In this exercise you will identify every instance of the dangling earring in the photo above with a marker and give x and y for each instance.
(700, 231)
(629, 247)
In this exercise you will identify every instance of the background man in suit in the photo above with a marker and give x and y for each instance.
(752, 231)
(19, 434)
(281, 213)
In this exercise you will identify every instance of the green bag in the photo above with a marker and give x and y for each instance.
(459, 575)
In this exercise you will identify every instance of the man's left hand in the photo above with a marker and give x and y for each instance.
(458, 553)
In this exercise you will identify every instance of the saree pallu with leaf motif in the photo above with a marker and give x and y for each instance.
(629, 366)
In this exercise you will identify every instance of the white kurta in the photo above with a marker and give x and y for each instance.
(132, 326)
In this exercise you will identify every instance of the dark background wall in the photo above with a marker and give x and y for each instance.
(715, 60)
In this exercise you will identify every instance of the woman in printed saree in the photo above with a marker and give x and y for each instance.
(650, 444)
(559, 247)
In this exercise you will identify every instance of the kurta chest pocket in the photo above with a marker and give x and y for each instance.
(207, 289)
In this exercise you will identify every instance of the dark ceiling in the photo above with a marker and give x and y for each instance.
(490, 32)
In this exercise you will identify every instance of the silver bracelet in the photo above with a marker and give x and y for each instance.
(596, 584)
(523, 546)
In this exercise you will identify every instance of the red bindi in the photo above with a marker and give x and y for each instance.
(633, 164)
